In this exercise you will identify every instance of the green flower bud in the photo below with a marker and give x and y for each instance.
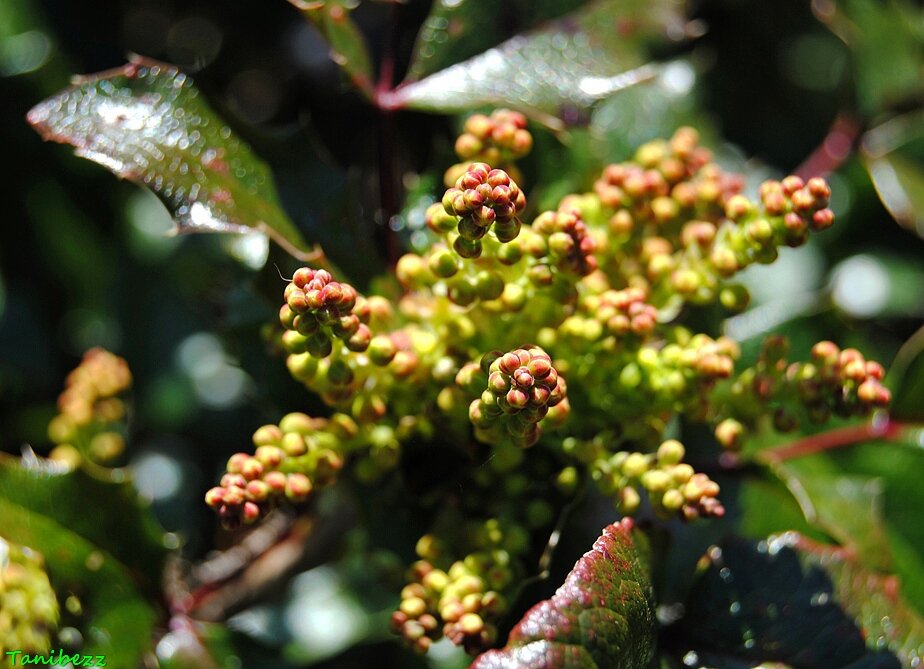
(319, 345)
(510, 253)
(672, 500)
(514, 297)
(735, 298)
(629, 500)
(467, 248)
(635, 465)
(729, 433)
(438, 220)
(443, 263)
(462, 292)
(489, 285)
(410, 270)
(381, 350)
(670, 452)
(655, 480)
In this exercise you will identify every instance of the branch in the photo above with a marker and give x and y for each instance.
(836, 147)
(259, 565)
(880, 427)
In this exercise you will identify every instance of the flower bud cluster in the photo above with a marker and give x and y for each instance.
(291, 460)
(465, 285)
(597, 284)
(787, 211)
(522, 388)
(565, 239)
(614, 315)
(498, 139)
(319, 310)
(90, 411)
(461, 599)
(28, 606)
(483, 199)
(674, 374)
(673, 222)
(462, 603)
(481, 541)
(666, 183)
(835, 381)
(672, 486)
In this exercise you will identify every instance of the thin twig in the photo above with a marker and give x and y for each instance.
(834, 149)
(881, 427)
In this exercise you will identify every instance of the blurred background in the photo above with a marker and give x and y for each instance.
(85, 260)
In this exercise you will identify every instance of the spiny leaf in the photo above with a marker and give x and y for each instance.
(791, 600)
(552, 72)
(602, 616)
(117, 620)
(147, 122)
(347, 44)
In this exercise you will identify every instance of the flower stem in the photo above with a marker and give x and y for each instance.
(881, 427)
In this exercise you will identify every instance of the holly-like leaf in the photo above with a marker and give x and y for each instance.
(554, 71)
(55, 514)
(147, 122)
(602, 616)
(791, 600)
(454, 31)
(347, 44)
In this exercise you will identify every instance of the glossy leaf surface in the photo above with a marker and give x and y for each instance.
(790, 600)
(148, 123)
(554, 72)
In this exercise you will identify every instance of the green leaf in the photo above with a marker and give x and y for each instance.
(347, 44)
(906, 378)
(84, 505)
(602, 616)
(893, 154)
(791, 600)
(459, 29)
(898, 467)
(552, 72)
(848, 508)
(47, 516)
(887, 42)
(147, 122)
(642, 113)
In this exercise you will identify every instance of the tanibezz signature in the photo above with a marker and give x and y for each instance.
(60, 658)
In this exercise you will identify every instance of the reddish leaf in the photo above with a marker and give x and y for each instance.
(602, 616)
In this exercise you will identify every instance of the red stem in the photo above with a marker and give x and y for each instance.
(878, 428)
(834, 149)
